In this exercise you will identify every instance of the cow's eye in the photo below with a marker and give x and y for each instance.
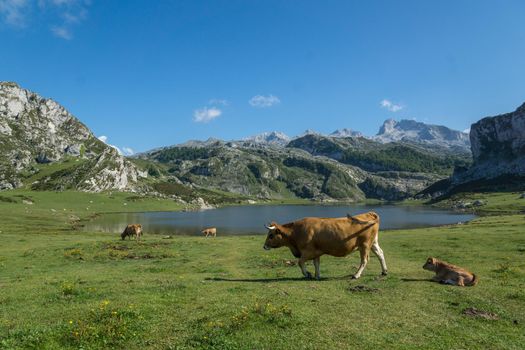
(270, 236)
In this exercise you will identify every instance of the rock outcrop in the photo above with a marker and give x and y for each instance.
(498, 148)
(35, 130)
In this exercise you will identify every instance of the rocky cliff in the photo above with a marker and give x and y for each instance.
(35, 131)
(498, 147)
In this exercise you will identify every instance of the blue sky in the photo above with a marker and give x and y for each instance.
(152, 73)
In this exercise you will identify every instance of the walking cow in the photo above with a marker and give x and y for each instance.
(309, 238)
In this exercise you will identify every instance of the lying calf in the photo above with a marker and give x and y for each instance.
(450, 274)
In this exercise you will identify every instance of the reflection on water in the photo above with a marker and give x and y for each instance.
(251, 219)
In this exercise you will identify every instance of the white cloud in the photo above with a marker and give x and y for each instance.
(205, 114)
(128, 151)
(467, 130)
(391, 106)
(218, 102)
(103, 138)
(13, 12)
(62, 32)
(261, 101)
(60, 15)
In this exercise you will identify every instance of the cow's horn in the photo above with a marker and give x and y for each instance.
(269, 227)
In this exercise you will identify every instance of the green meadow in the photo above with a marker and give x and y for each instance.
(61, 288)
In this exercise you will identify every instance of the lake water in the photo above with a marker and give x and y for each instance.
(251, 219)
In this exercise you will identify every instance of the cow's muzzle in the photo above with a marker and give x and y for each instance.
(266, 247)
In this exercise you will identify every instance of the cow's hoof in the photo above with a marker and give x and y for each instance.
(308, 276)
(354, 277)
(384, 273)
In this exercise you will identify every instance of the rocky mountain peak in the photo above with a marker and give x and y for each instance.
(418, 132)
(270, 137)
(387, 127)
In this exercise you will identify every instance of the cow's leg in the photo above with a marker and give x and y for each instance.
(316, 264)
(301, 262)
(379, 253)
(363, 250)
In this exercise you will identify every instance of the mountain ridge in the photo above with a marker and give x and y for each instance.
(343, 165)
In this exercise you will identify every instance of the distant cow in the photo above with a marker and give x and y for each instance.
(309, 238)
(210, 231)
(134, 230)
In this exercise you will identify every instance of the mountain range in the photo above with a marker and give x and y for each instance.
(407, 131)
(44, 147)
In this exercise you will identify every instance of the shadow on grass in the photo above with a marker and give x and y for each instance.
(282, 279)
(417, 280)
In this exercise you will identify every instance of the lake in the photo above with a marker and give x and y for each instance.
(251, 219)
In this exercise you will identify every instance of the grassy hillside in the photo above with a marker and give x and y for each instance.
(374, 156)
(68, 289)
(255, 172)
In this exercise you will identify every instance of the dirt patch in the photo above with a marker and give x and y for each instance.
(116, 247)
(362, 288)
(473, 312)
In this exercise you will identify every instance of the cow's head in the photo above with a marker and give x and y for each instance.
(276, 236)
(430, 264)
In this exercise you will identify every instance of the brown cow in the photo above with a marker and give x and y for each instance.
(309, 238)
(132, 230)
(210, 231)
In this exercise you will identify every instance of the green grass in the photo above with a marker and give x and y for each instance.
(62, 288)
(495, 203)
(44, 170)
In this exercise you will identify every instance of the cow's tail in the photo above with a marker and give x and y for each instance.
(362, 222)
(474, 281)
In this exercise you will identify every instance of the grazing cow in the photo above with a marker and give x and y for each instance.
(309, 238)
(132, 230)
(450, 274)
(210, 231)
